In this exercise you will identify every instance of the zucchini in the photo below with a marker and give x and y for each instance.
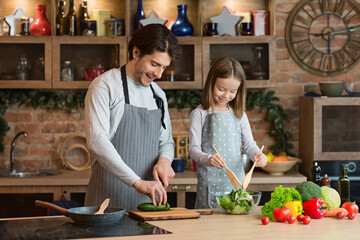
(149, 207)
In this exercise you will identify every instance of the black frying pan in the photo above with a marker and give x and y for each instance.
(85, 215)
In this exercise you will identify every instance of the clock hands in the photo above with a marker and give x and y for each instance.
(332, 33)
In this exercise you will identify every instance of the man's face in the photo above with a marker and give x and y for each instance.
(150, 67)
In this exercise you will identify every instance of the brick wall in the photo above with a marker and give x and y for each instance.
(48, 129)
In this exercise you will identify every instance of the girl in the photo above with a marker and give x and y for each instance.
(220, 120)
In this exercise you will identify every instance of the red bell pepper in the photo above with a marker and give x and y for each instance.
(315, 208)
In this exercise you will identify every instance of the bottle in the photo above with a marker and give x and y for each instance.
(316, 170)
(325, 181)
(40, 25)
(83, 11)
(23, 68)
(182, 26)
(344, 185)
(140, 14)
(61, 19)
(67, 73)
(71, 19)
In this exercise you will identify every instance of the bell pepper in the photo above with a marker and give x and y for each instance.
(314, 208)
(295, 207)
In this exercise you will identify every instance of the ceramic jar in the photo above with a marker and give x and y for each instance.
(182, 26)
(40, 25)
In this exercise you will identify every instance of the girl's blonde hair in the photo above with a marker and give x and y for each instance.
(225, 67)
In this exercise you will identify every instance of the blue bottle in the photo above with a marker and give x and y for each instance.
(140, 14)
(182, 26)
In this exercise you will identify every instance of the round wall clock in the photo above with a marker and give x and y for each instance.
(323, 36)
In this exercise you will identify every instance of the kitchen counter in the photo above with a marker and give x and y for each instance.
(225, 226)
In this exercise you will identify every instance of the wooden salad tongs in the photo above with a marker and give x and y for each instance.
(247, 177)
(232, 177)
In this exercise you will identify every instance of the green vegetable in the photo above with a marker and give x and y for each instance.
(236, 202)
(331, 197)
(278, 198)
(149, 207)
(308, 190)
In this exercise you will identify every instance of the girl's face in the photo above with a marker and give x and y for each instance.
(225, 90)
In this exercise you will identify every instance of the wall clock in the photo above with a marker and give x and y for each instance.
(323, 36)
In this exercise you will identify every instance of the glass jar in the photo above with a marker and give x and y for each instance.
(259, 72)
(25, 26)
(23, 68)
(67, 72)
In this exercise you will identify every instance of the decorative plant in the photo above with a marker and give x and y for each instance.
(70, 101)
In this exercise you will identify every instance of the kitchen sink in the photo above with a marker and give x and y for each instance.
(29, 173)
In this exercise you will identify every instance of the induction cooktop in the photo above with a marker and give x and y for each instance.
(64, 228)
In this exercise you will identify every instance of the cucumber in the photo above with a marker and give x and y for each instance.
(149, 207)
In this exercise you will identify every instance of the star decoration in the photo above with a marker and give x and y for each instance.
(153, 18)
(227, 22)
(14, 21)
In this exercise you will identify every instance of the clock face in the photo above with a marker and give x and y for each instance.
(323, 36)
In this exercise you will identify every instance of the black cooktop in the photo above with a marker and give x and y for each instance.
(64, 228)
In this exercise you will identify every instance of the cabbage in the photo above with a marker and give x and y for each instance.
(331, 197)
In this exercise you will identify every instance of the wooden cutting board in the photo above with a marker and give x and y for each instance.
(176, 213)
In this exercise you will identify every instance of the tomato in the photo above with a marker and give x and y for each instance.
(299, 217)
(340, 215)
(351, 215)
(306, 220)
(281, 214)
(291, 219)
(265, 220)
(351, 207)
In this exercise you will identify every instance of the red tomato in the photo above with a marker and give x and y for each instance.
(281, 214)
(351, 215)
(351, 207)
(291, 219)
(265, 220)
(299, 217)
(340, 215)
(306, 220)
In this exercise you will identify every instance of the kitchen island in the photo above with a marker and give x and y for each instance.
(225, 226)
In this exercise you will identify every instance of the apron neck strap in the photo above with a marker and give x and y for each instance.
(124, 82)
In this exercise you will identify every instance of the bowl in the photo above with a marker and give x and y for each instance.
(352, 88)
(279, 168)
(238, 202)
(331, 89)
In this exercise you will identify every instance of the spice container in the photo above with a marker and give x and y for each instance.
(101, 17)
(261, 20)
(25, 26)
(88, 28)
(116, 27)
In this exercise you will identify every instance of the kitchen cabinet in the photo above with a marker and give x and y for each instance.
(188, 73)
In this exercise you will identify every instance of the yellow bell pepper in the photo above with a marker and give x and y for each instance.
(295, 207)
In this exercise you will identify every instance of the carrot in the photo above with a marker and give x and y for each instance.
(333, 211)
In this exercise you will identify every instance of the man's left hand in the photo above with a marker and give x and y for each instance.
(163, 171)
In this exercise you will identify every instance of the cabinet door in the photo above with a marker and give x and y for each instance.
(25, 62)
(86, 54)
(244, 49)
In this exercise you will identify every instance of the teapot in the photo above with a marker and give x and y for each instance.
(93, 72)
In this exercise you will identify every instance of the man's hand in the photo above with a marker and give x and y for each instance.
(163, 170)
(151, 188)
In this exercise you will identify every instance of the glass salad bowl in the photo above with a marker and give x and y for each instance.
(238, 202)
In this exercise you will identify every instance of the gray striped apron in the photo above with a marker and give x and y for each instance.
(137, 142)
(223, 130)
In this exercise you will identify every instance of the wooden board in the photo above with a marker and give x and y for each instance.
(176, 213)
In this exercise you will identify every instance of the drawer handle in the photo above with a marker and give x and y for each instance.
(174, 188)
(188, 188)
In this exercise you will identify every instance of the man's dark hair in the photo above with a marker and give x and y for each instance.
(154, 37)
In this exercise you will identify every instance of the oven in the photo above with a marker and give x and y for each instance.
(332, 169)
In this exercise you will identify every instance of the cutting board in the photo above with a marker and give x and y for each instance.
(176, 213)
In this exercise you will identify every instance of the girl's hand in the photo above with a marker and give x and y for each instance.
(216, 161)
(261, 160)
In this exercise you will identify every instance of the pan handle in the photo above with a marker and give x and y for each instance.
(54, 207)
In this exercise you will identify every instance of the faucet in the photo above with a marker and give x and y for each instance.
(12, 150)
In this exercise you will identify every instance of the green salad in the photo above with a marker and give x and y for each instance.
(236, 202)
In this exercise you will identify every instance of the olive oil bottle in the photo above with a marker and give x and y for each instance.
(344, 185)
(61, 19)
(71, 17)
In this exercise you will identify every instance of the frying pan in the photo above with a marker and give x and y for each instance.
(85, 215)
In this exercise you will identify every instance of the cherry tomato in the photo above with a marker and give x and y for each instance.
(265, 220)
(281, 214)
(340, 215)
(291, 219)
(299, 217)
(351, 207)
(306, 220)
(351, 215)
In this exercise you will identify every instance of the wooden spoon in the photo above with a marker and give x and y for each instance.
(247, 177)
(103, 206)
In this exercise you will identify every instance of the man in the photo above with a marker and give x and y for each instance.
(128, 127)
